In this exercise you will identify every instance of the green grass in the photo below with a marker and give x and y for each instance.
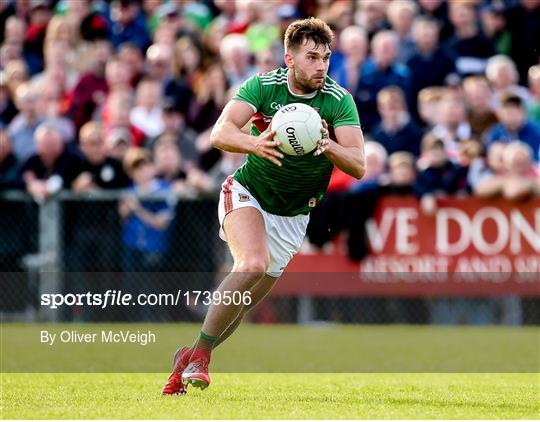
(273, 396)
(278, 372)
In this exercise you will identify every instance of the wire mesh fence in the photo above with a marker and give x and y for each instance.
(74, 244)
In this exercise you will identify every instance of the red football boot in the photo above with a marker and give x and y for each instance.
(174, 385)
(196, 372)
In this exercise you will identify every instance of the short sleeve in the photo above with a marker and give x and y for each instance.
(251, 92)
(346, 113)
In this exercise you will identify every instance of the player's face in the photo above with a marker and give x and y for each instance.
(309, 65)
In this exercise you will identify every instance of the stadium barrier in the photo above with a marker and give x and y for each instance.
(473, 262)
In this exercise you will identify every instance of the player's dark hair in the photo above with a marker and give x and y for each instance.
(302, 30)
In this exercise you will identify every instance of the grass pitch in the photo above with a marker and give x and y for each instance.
(273, 396)
(267, 372)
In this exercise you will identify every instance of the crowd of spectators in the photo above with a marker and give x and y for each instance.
(122, 94)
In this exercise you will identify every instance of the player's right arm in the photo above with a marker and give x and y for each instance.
(227, 134)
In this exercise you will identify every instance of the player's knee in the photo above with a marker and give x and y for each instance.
(256, 266)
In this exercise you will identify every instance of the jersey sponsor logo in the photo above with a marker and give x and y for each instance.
(242, 197)
(291, 137)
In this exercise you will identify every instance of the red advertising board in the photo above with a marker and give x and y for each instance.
(470, 247)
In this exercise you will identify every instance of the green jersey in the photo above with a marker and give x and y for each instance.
(301, 182)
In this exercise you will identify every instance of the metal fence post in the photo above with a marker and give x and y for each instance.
(306, 311)
(49, 251)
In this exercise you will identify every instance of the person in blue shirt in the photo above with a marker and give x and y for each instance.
(379, 71)
(127, 24)
(514, 126)
(145, 226)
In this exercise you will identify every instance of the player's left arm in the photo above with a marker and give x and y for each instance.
(347, 150)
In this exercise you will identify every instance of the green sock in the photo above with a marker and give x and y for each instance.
(205, 342)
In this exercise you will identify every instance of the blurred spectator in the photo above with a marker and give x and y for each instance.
(234, 55)
(15, 30)
(116, 115)
(15, 73)
(478, 97)
(91, 89)
(266, 60)
(470, 47)
(440, 175)
(429, 100)
(522, 21)
(159, 60)
(210, 88)
(98, 171)
(430, 64)
(9, 166)
(485, 175)
(7, 107)
(40, 14)
(401, 14)
(263, 32)
(353, 44)
(376, 156)
(147, 113)
(53, 167)
(493, 24)
(437, 10)
(371, 15)
(514, 126)
(127, 24)
(469, 151)
(131, 55)
(510, 174)
(9, 52)
(58, 66)
(145, 224)
(534, 87)
(502, 74)
(175, 127)
(396, 131)
(22, 127)
(379, 71)
(118, 141)
(452, 126)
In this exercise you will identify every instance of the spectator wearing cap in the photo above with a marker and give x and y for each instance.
(478, 98)
(147, 113)
(353, 44)
(469, 46)
(98, 171)
(9, 166)
(514, 126)
(430, 64)
(400, 14)
(52, 168)
(396, 131)
(533, 109)
(127, 24)
(503, 76)
(379, 71)
(22, 127)
(493, 24)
